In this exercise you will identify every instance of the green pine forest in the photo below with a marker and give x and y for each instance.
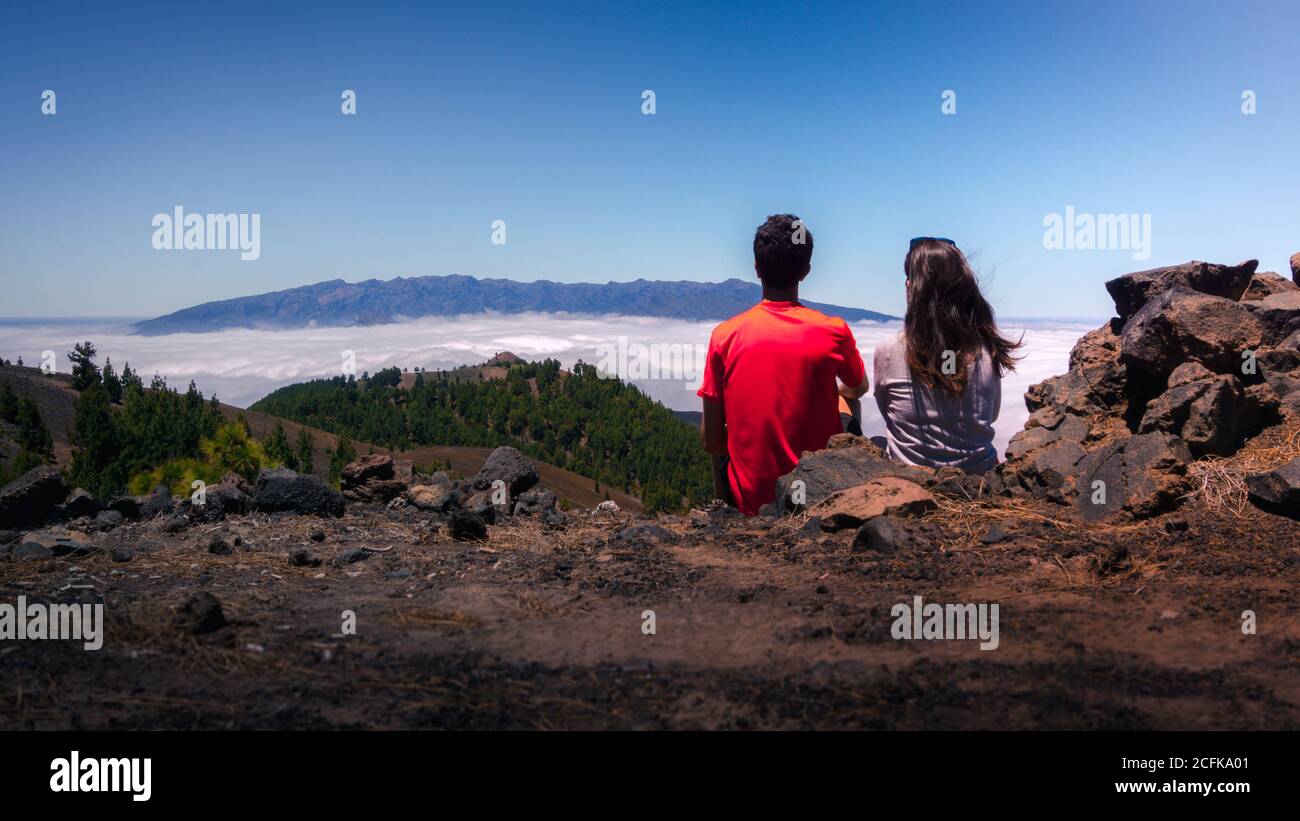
(580, 421)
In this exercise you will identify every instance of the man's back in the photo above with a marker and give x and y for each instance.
(773, 370)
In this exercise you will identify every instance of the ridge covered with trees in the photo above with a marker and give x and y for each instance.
(580, 421)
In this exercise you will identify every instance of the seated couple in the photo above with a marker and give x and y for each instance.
(777, 377)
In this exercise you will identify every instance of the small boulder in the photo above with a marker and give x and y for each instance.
(375, 466)
(1295, 268)
(883, 534)
(1277, 490)
(465, 527)
(218, 546)
(535, 501)
(283, 490)
(157, 502)
(1278, 315)
(1140, 476)
(81, 503)
(106, 520)
(123, 554)
(825, 471)
(436, 498)
(201, 613)
(889, 495)
(510, 466)
(302, 557)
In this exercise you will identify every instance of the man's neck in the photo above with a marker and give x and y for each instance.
(781, 294)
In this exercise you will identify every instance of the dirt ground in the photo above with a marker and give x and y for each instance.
(757, 625)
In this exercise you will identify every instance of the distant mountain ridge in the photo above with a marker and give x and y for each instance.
(338, 303)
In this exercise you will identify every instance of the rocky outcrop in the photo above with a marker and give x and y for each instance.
(283, 491)
(32, 498)
(1200, 358)
(1131, 291)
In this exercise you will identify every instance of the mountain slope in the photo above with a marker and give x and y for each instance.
(339, 303)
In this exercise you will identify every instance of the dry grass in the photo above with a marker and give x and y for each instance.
(1221, 481)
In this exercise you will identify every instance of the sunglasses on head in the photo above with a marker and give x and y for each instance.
(915, 240)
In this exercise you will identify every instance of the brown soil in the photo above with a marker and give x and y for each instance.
(758, 626)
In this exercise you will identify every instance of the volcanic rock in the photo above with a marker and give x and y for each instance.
(825, 471)
(883, 534)
(31, 498)
(1132, 477)
(1277, 490)
(1265, 284)
(283, 490)
(510, 466)
(201, 613)
(853, 506)
(1181, 326)
(1132, 291)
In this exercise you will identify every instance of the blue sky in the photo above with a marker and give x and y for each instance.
(533, 116)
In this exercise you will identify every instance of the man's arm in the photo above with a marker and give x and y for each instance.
(713, 436)
(713, 428)
(852, 393)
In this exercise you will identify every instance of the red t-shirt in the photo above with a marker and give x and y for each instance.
(773, 369)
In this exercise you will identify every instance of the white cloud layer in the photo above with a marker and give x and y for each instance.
(241, 366)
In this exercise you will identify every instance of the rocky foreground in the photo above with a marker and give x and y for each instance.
(1161, 598)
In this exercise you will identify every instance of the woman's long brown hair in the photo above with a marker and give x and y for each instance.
(947, 312)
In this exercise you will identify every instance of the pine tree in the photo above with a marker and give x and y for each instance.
(340, 457)
(96, 444)
(33, 436)
(112, 385)
(84, 372)
(8, 403)
(306, 461)
(278, 450)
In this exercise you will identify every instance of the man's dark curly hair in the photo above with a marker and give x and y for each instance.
(783, 248)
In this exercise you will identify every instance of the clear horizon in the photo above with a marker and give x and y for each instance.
(535, 117)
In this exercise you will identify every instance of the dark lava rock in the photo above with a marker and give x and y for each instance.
(302, 557)
(316, 535)
(1184, 326)
(535, 501)
(378, 491)
(201, 613)
(465, 526)
(226, 498)
(218, 546)
(128, 507)
(1277, 490)
(1210, 414)
(511, 467)
(1279, 315)
(123, 554)
(176, 524)
(283, 490)
(107, 520)
(158, 502)
(33, 497)
(81, 503)
(883, 534)
(643, 534)
(1132, 291)
(554, 519)
(826, 471)
(373, 467)
(994, 534)
(1141, 476)
(1265, 284)
(352, 555)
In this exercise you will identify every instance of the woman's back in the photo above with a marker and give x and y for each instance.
(935, 427)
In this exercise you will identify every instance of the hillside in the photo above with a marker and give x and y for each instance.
(374, 302)
(56, 401)
(580, 421)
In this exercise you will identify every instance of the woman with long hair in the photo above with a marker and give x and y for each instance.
(939, 383)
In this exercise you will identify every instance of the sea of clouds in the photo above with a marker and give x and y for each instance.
(241, 366)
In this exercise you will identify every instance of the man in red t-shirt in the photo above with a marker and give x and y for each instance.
(769, 384)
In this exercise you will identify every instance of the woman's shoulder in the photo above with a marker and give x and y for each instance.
(891, 355)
